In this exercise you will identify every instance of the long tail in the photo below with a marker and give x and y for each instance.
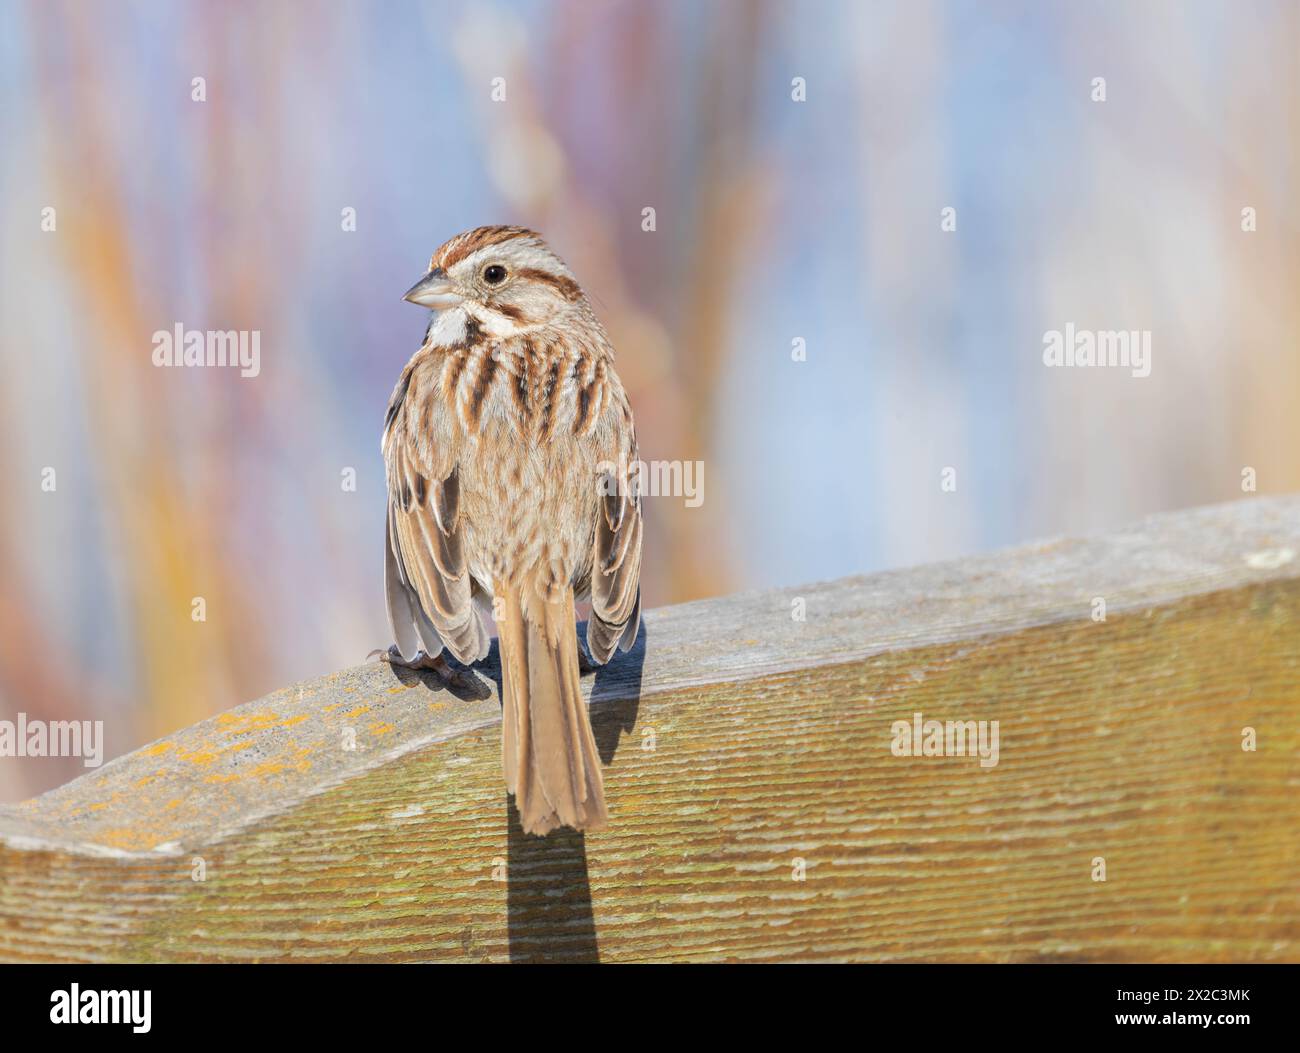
(548, 749)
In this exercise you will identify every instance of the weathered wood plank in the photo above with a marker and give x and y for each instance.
(739, 741)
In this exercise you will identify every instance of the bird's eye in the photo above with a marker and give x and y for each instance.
(495, 274)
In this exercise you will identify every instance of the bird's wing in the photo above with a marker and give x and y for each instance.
(428, 584)
(616, 569)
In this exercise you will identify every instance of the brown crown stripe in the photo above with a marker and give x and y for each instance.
(479, 238)
(564, 285)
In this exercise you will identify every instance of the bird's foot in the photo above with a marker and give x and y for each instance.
(421, 660)
(462, 679)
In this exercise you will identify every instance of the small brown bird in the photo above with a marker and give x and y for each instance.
(512, 490)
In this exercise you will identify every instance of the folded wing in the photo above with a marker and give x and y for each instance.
(616, 568)
(428, 585)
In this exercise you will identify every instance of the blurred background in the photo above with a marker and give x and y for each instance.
(775, 220)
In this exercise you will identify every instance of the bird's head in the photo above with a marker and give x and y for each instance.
(508, 272)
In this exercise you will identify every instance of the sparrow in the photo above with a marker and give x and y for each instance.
(510, 455)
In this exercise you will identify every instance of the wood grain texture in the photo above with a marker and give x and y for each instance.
(738, 742)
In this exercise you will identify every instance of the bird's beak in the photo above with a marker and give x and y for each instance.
(435, 290)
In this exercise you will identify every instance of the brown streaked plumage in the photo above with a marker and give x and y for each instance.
(510, 454)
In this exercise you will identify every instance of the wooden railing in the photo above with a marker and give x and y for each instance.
(758, 808)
